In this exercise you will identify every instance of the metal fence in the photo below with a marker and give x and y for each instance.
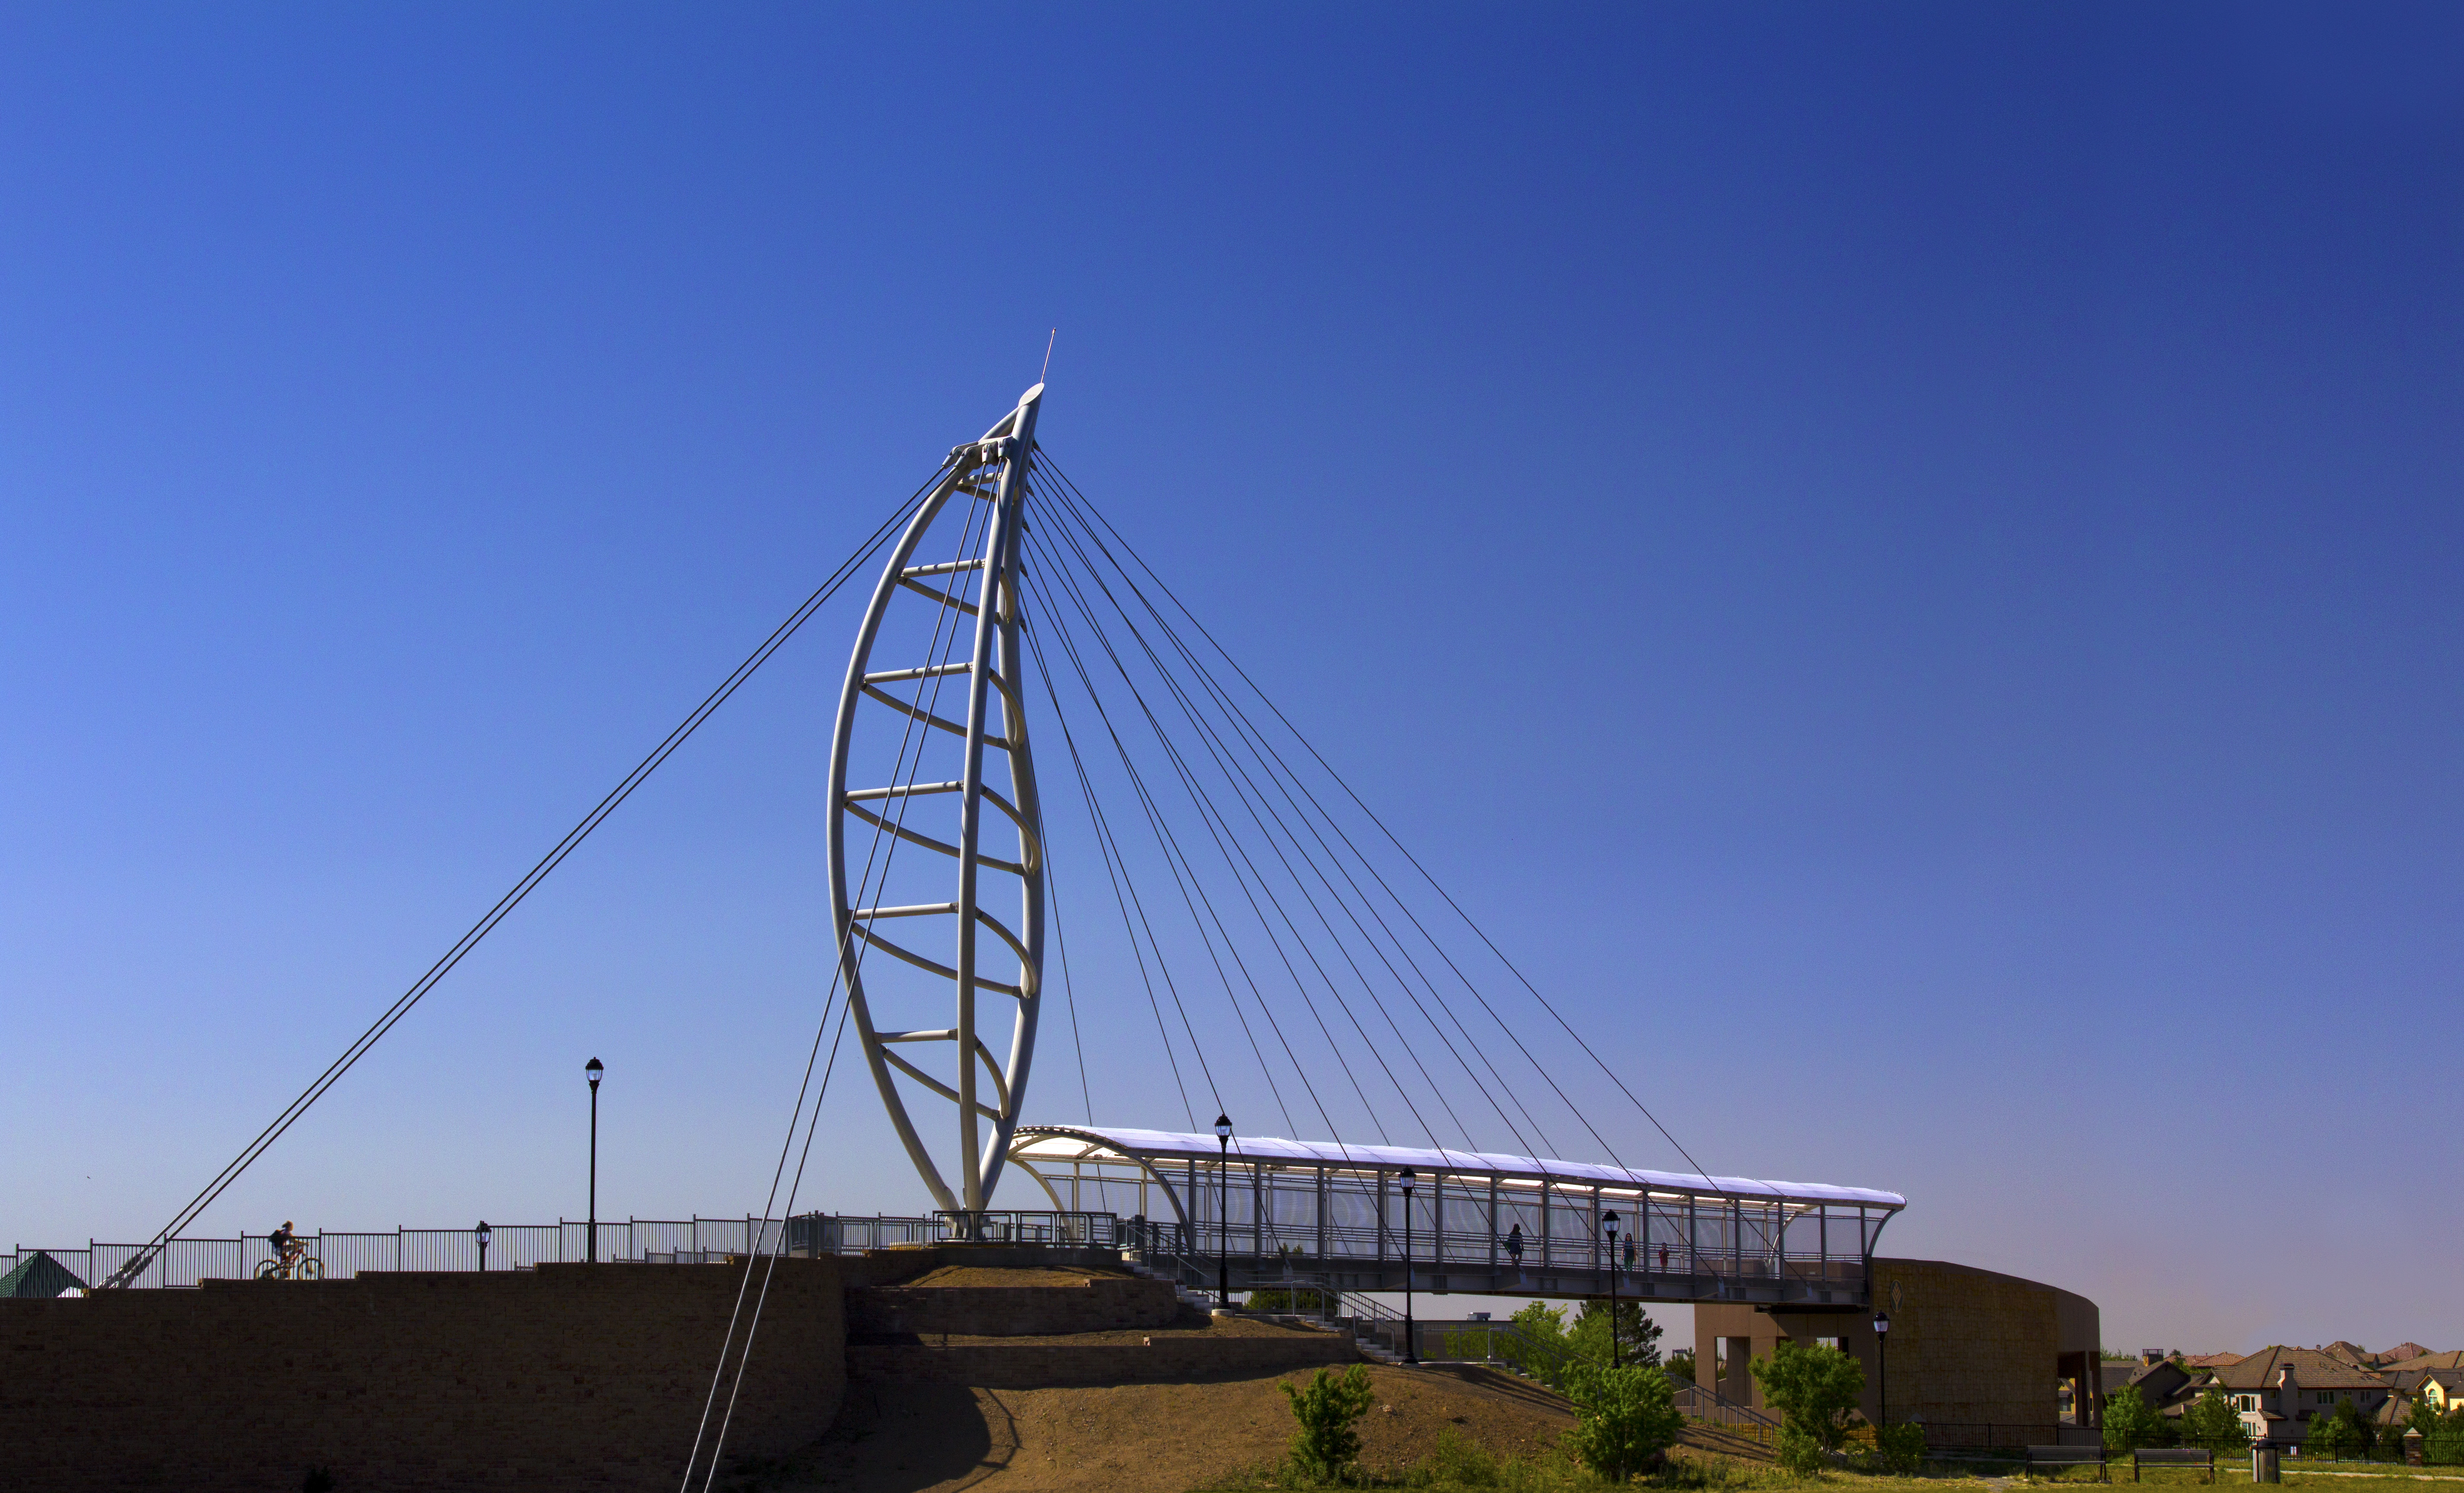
(518, 1247)
(511, 1247)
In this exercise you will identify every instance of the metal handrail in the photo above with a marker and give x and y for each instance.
(1704, 1403)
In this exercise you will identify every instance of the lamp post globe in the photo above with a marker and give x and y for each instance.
(1883, 1366)
(1609, 1226)
(481, 1234)
(1224, 1213)
(593, 1071)
(1411, 1346)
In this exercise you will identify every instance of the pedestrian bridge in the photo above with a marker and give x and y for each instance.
(1325, 1212)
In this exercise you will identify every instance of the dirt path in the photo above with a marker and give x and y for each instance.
(898, 1437)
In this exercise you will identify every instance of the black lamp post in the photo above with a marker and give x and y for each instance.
(1411, 1346)
(1609, 1226)
(481, 1235)
(1882, 1366)
(594, 1070)
(1224, 1213)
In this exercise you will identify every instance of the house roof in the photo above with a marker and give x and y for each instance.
(2429, 1361)
(2159, 1383)
(2353, 1354)
(2212, 1360)
(2312, 1370)
(2404, 1351)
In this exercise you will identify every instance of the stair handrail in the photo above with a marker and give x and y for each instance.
(1691, 1396)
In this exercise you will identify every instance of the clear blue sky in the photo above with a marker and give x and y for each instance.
(1904, 558)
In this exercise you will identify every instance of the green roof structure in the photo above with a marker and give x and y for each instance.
(38, 1274)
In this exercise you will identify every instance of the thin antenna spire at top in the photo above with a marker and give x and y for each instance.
(1048, 353)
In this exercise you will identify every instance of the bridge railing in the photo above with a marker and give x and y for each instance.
(184, 1262)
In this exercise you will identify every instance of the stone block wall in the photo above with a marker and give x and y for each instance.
(569, 1377)
(1099, 1304)
(900, 1261)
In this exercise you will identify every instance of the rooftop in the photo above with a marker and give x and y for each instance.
(1058, 1143)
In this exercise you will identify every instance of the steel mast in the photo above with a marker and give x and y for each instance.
(910, 703)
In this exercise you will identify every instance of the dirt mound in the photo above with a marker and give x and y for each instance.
(1143, 1437)
(963, 1276)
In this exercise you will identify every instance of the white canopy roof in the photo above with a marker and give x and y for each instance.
(1069, 1142)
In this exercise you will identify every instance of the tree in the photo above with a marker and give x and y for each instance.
(1328, 1410)
(1625, 1417)
(2130, 1422)
(1681, 1366)
(1638, 1335)
(2422, 1419)
(2353, 1435)
(1544, 1327)
(1816, 1391)
(2214, 1424)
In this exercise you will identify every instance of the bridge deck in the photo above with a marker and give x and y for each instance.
(1319, 1212)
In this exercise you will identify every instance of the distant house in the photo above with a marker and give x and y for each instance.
(2161, 1383)
(38, 1274)
(2425, 1363)
(2402, 1385)
(2442, 1388)
(2278, 1390)
(2212, 1360)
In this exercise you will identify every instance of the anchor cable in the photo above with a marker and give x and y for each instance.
(461, 946)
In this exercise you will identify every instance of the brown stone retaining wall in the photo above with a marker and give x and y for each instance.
(1030, 1365)
(900, 1261)
(569, 1377)
(1097, 1306)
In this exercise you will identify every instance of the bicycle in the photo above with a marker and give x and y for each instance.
(301, 1267)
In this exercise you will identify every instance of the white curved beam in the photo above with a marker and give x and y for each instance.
(993, 469)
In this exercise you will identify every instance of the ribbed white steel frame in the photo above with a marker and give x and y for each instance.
(993, 469)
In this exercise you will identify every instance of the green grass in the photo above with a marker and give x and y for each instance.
(1459, 1467)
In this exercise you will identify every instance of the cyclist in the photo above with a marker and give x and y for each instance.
(287, 1247)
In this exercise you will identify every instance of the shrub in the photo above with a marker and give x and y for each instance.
(2338, 1433)
(2130, 1422)
(1458, 1462)
(1625, 1417)
(2214, 1424)
(1816, 1391)
(2442, 1440)
(2353, 1433)
(1328, 1410)
(1899, 1448)
(1800, 1451)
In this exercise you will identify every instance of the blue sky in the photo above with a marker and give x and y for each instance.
(1903, 560)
